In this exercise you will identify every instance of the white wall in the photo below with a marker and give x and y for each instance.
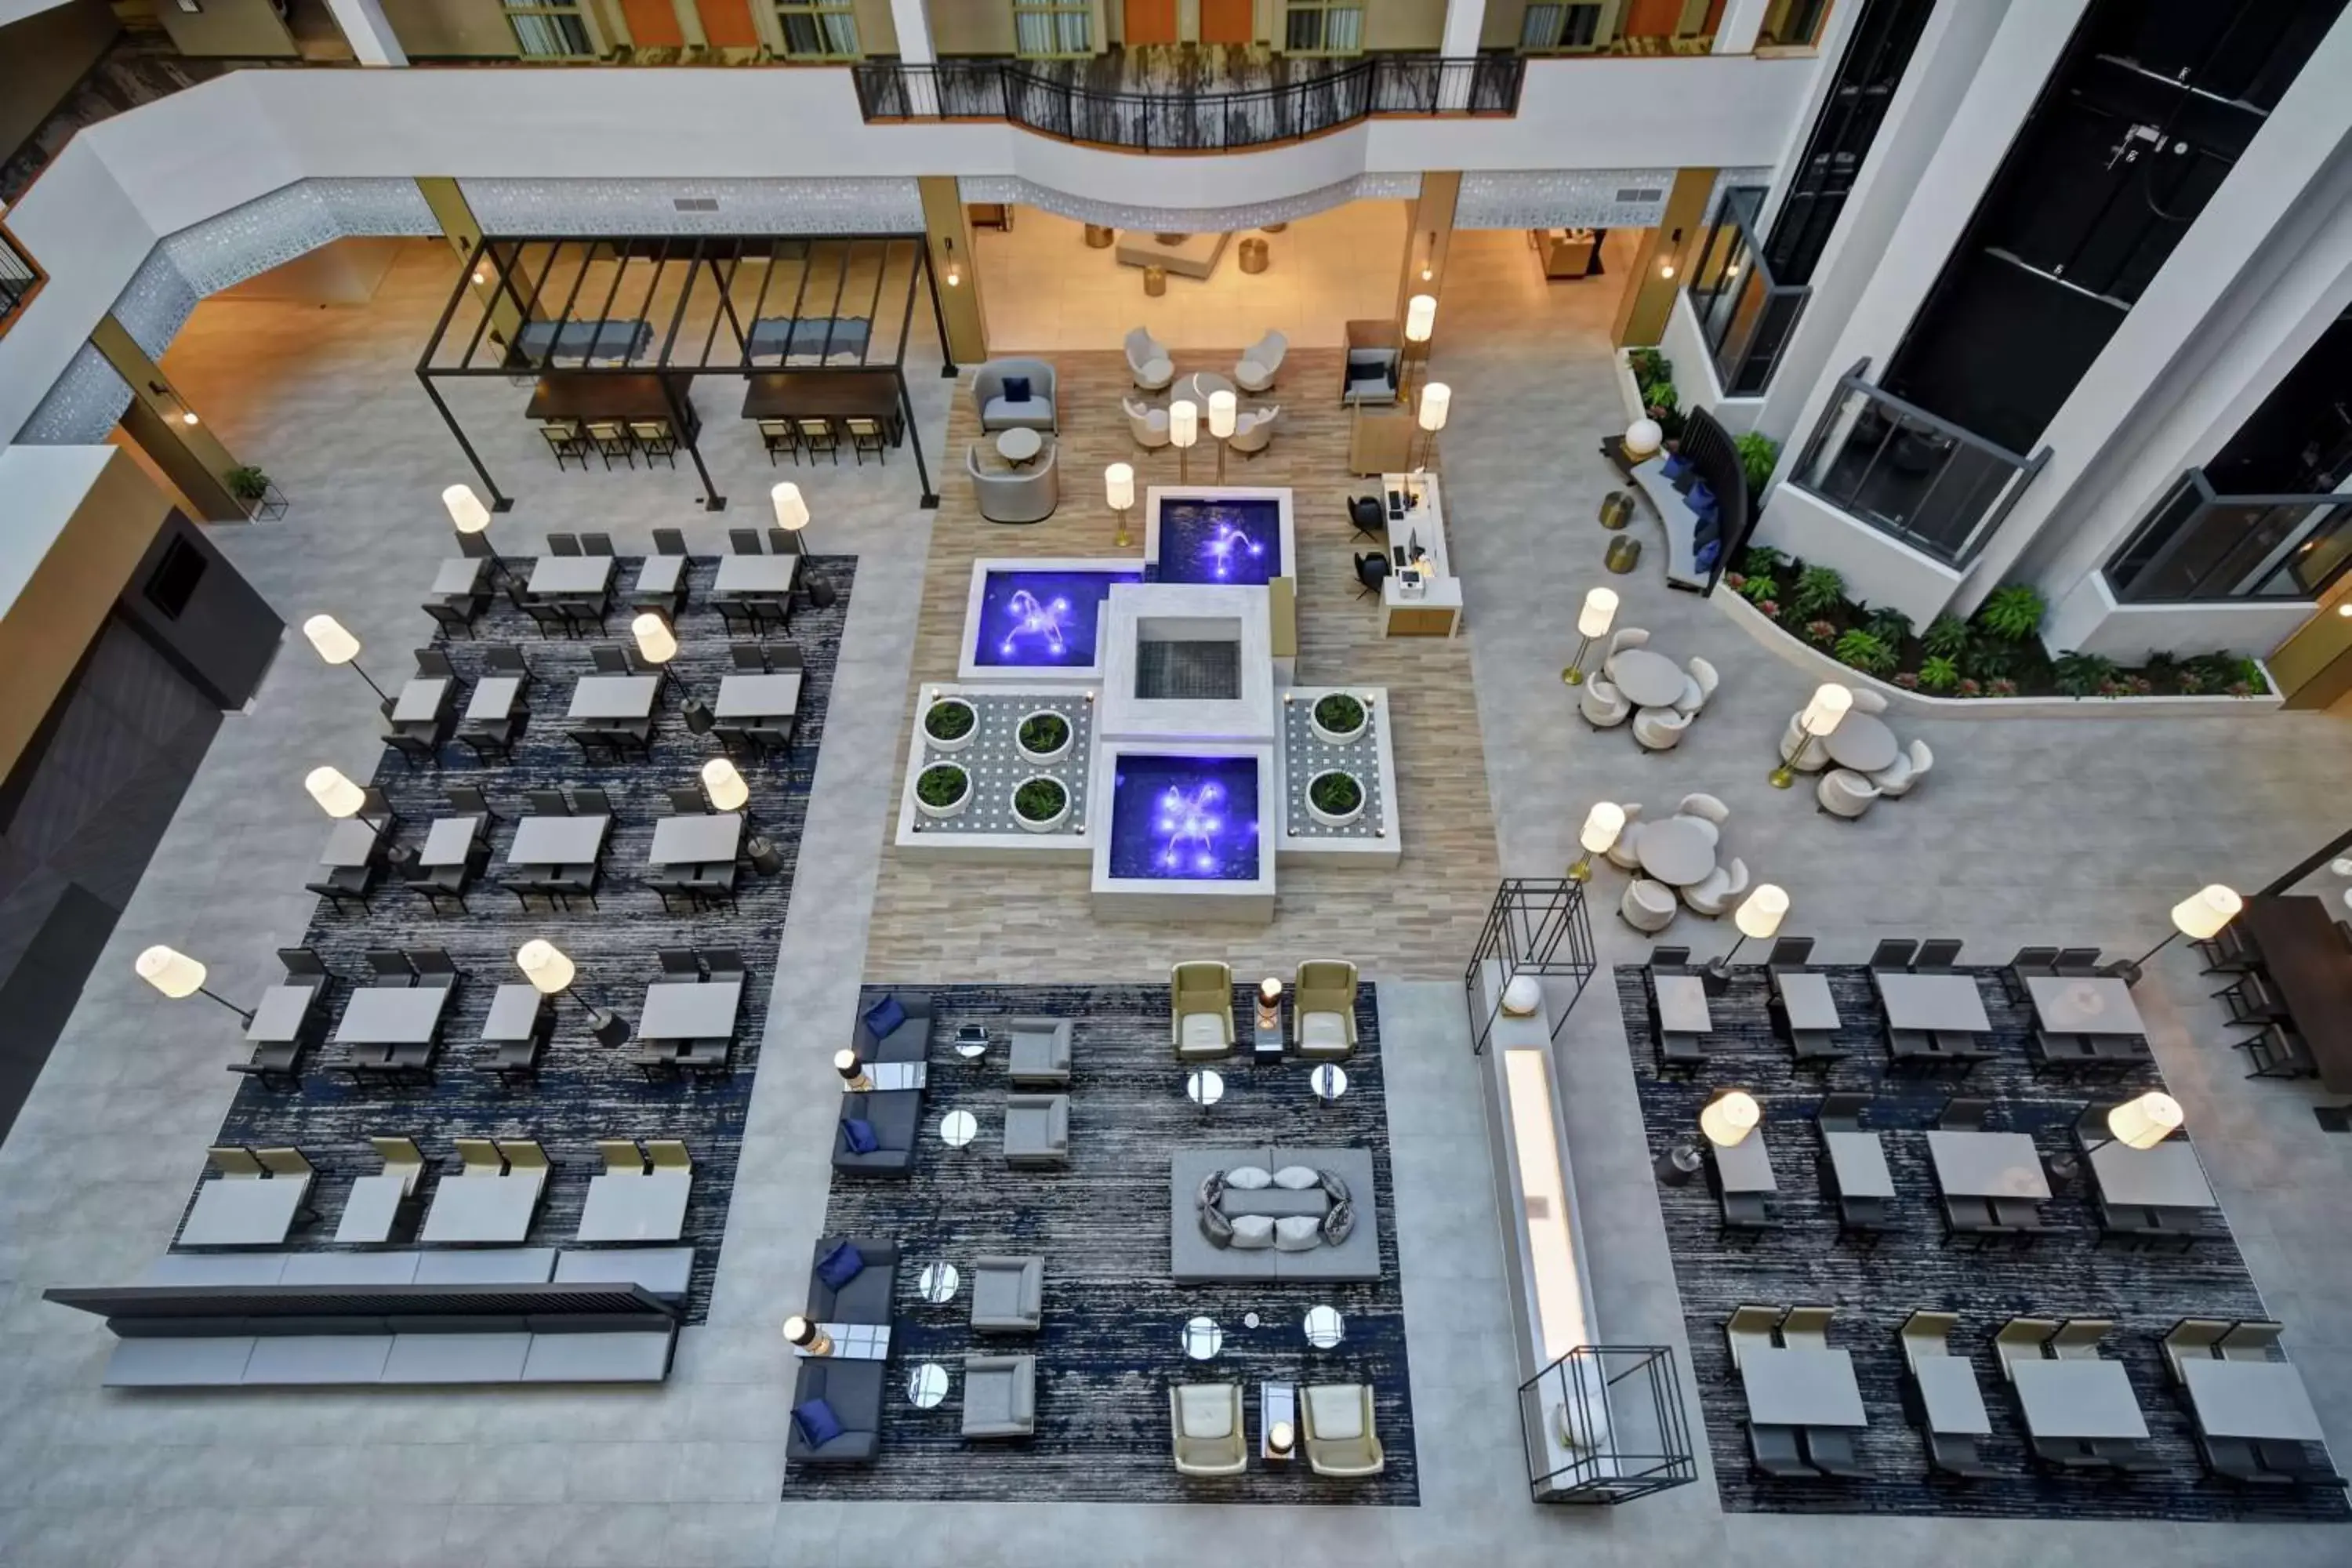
(2088, 620)
(1877, 570)
(89, 234)
(17, 10)
(40, 489)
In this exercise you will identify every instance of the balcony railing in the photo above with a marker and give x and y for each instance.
(19, 279)
(1190, 121)
(2201, 545)
(1909, 473)
(1744, 313)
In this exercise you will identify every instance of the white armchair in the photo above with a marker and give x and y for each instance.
(1254, 429)
(1210, 1436)
(1844, 793)
(1648, 906)
(1699, 686)
(1660, 729)
(1604, 706)
(1626, 852)
(1866, 700)
(1260, 363)
(1148, 425)
(1901, 776)
(1722, 885)
(1147, 361)
(1706, 805)
(1621, 639)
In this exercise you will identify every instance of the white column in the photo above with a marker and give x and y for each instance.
(1463, 21)
(1736, 30)
(913, 25)
(369, 36)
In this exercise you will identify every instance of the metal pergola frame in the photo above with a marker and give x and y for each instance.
(674, 364)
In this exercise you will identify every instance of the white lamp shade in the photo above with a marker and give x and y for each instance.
(1420, 318)
(724, 784)
(845, 1062)
(1729, 1118)
(791, 512)
(336, 795)
(1269, 990)
(1642, 438)
(170, 971)
(2205, 911)
(2145, 1122)
(1760, 913)
(656, 641)
(1522, 996)
(466, 512)
(1599, 610)
(2341, 866)
(1828, 710)
(545, 965)
(1119, 486)
(1223, 407)
(335, 644)
(1183, 421)
(1603, 823)
(1436, 399)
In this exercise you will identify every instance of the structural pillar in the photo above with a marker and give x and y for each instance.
(1464, 19)
(913, 25)
(168, 428)
(1431, 237)
(950, 240)
(371, 39)
(1665, 259)
(1736, 29)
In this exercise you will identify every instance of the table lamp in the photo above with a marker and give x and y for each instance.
(1183, 429)
(1269, 1002)
(1821, 716)
(806, 1335)
(1593, 620)
(1642, 439)
(1603, 823)
(853, 1071)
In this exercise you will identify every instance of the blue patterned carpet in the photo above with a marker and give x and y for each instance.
(1110, 1347)
(584, 1091)
(1803, 1260)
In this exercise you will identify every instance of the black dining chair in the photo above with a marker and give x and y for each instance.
(1936, 956)
(563, 544)
(2077, 960)
(1773, 1451)
(750, 656)
(1371, 571)
(668, 541)
(1893, 953)
(1790, 952)
(744, 541)
(1370, 520)
(1831, 1450)
(597, 544)
(783, 541)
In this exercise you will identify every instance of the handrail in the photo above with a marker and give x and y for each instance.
(1384, 84)
(20, 279)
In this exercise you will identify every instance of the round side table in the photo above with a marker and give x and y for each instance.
(1328, 1081)
(1324, 1327)
(958, 1128)
(927, 1384)
(937, 1282)
(1203, 1339)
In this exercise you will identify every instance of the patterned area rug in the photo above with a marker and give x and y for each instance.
(1112, 1342)
(582, 1091)
(1802, 1259)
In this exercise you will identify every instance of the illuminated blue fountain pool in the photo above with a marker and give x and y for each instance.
(1225, 540)
(1046, 620)
(1184, 819)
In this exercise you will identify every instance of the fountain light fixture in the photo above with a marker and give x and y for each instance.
(1603, 823)
(1036, 617)
(336, 645)
(175, 974)
(1229, 541)
(1191, 819)
(1830, 703)
(1593, 620)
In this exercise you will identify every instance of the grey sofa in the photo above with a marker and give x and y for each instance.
(1000, 1396)
(1037, 1130)
(1041, 1051)
(895, 1114)
(998, 412)
(853, 1390)
(1195, 1253)
(1008, 1295)
(866, 1298)
(1005, 494)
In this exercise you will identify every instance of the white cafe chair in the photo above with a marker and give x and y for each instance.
(1844, 793)
(1647, 906)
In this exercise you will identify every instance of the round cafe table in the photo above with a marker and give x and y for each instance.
(1648, 679)
(1861, 742)
(1197, 387)
(1676, 851)
(1020, 446)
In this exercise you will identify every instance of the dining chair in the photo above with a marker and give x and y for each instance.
(2278, 1052)
(750, 656)
(744, 541)
(622, 1156)
(1371, 572)
(589, 800)
(2077, 960)
(612, 440)
(1790, 952)
(467, 800)
(866, 435)
(780, 435)
(235, 1161)
(610, 659)
(451, 615)
(687, 800)
(1749, 1328)
(714, 883)
(785, 656)
(433, 967)
(390, 966)
(668, 1154)
(771, 737)
(783, 541)
(544, 615)
(597, 544)
(431, 663)
(1773, 1451)
(766, 607)
(1842, 1111)
(818, 435)
(563, 544)
(669, 541)
(724, 963)
(1893, 953)
(655, 438)
(1807, 1328)
(680, 963)
(477, 546)
(1962, 1113)
(1831, 1450)
(565, 440)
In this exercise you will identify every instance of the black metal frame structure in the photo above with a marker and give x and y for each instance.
(2200, 546)
(1527, 925)
(1596, 1403)
(1745, 313)
(510, 275)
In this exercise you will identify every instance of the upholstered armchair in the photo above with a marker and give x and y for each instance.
(1000, 1396)
(1323, 1009)
(1626, 853)
(1698, 686)
(1898, 777)
(1006, 494)
(1660, 729)
(998, 412)
(1147, 361)
(1260, 363)
(1722, 885)
(1254, 429)
(1604, 706)
(1338, 1433)
(1201, 1015)
(1209, 1439)
(1844, 793)
(1008, 1295)
(1148, 425)
(1648, 906)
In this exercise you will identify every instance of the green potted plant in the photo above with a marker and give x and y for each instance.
(942, 790)
(1040, 805)
(1759, 455)
(1337, 719)
(951, 723)
(1043, 736)
(1335, 797)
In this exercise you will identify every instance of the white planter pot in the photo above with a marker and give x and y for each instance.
(1069, 737)
(1051, 823)
(967, 737)
(1339, 737)
(1331, 819)
(941, 813)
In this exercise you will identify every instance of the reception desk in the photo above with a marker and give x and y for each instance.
(1416, 540)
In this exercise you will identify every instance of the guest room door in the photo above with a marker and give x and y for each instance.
(1150, 22)
(1227, 21)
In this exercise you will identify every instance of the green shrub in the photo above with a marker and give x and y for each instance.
(1339, 713)
(1888, 624)
(1759, 590)
(1864, 651)
(2083, 673)
(1040, 800)
(1762, 561)
(1649, 365)
(1336, 794)
(1987, 660)
(1938, 673)
(1818, 589)
(2161, 668)
(1758, 455)
(1045, 733)
(2012, 612)
(1946, 636)
(941, 783)
(248, 484)
(949, 719)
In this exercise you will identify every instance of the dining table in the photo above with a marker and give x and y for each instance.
(2168, 1176)
(700, 839)
(776, 696)
(636, 1207)
(1648, 679)
(601, 394)
(559, 840)
(614, 697)
(1987, 1164)
(2088, 1397)
(1678, 851)
(278, 1017)
(1945, 1002)
(756, 573)
(459, 577)
(553, 575)
(690, 1010)
(482, 1209)
(350, 843)
(2261, 1400)
(239, 1211)
(1863, 742)
(494, 699)
(2084, 1005)
(392, 1015)
(1801, 1387)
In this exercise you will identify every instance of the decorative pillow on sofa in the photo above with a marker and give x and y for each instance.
(1299, 1178)
(1254, 1230)
(817, 1422)
(884, 1016)
(1341, 1222)
(1333, 1187)
(1297, 1233)
(1248, 1178)
(839, 1267)
(1016, 389)
(858, 1135)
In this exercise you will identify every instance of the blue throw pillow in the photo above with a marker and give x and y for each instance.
(1705, 559)
(817, 1422)
(1676, 466)
(857, 1134)
(1016, 389)
(1701, 498)
(840, 1265)
(883, 1017)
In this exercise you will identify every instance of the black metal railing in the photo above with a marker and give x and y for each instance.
(19, 279)
(1189, 122)
(1604, 1424)
(1745, 314)
(2201, 545)
(1911, 474)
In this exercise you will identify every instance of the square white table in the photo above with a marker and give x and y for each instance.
(558, 841)
(758, 695)
(369, 1212)
(420, 700)
(635, 1208)
(449, 841)
(2087, 1398)
(2168, 1176)
(240, 1211)
(514, 1014)
(2084, 1005)
(556, 574)
(458, 577)
(757, 573)
(661, 573)
(392, 1015)
(1933, 1001)
(614, 697)
(696, 840)
(1860, 1161)
(494, 699)
(1805, 997)
(1745, 1166)
(1802, 1388)
(1682, 1005)
(481, 1208)
(349, 843)
(1955, 1404)
(278, 1018)
(1987, 1166)
(2261, 1399)
(690, 1010)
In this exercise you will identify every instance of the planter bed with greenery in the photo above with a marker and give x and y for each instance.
(1041, 803)
(1997, 652)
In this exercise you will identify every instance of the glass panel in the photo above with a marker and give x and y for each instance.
(1033, 32)
(546, 35)
(1540, 28)
(1914, 478)
(841, 33)
(1344, 34)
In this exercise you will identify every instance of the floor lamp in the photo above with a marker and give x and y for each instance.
(1759, 915)
(175, 974)
(1419, 321)
(1118, 489)
(551, 972)
(1603, 823)
(469, 517)
(1593, 618)
(2200, 917)
(336, 645)
(1224, 408)
(1183, 429)
(1821, 716)
(1725, 1122)
(1436, 398)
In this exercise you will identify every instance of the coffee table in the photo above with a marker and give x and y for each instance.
(1019, 446)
